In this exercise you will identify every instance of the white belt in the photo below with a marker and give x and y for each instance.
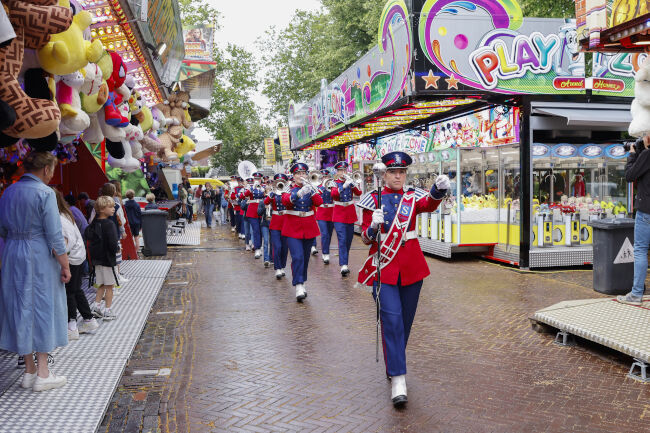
(254, 201)
(410, 235)
(343, 203)
(277, 212)
(299, 213)
(327, 205)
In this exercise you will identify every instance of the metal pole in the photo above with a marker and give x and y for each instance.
(378, 170)
(525, 192)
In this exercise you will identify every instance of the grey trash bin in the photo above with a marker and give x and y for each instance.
(613, 255)
(154, 232)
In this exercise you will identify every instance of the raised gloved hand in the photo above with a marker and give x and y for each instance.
(305, 190)
(347, 183)
(377, 218)
(440, 187)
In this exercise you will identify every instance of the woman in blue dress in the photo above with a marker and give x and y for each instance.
(33, 309)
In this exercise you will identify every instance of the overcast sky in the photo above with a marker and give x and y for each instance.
(244, 21)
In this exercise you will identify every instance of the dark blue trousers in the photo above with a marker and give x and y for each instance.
(344, 234)
(238, 223)
(254, 231)
(397, 311)
(326, 229)
(280, 249)
(300, 250)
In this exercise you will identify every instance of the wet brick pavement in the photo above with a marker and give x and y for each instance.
(244, 356)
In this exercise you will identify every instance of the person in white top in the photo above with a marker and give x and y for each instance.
(76, 251)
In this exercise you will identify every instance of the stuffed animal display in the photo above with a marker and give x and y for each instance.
(640, 107)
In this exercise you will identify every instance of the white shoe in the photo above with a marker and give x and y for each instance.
(283, 273)
(345, 270)
(279, 274)
(326, 259)
(108, 314)
(28, 380)
(300, 292)
(88, 326)
(248, 247)
(232, 229)
(73, 334)
(398, 392)
(258, 254)
(51, 382)
(314, 251)
(122, 278)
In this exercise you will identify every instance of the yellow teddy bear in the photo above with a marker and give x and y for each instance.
(68, 51)
(186, 144)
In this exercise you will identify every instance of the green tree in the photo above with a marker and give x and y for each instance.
(314, 46)
(548, 8)
(196, 13)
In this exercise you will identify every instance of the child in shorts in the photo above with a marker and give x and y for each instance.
(103, 245)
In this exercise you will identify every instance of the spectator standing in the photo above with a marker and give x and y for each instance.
(151, 202)
(182, 196)
(103, 246)
(216, 202)
(224, 209)
(34, 261)
(208, 203)
(76, 251)
(79, 217)
(86, 204)
(197, 199)
(637, 169)
(134, 215)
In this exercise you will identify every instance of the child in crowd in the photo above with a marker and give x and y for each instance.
(133, 214)
(151, 202)
(76, 251)
(103, 245)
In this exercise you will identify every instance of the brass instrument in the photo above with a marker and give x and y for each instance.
(355, 176)
(280, 186)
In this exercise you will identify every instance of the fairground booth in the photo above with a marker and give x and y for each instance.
(499, 103)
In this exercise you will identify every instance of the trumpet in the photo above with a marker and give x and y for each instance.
(280, 186)
(355, 176)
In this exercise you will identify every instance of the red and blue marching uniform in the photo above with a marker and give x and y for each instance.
(324, 219)
(344, 215)
(278, 242)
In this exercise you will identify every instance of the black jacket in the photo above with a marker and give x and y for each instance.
(637, 169)
(109, 242)
(133, 213)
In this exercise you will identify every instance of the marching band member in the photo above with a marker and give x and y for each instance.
(278, 242)
(300, 226)
(236, 208)
(324, 217)
(344, 214)
(403, 267)
(243, 203)
(231, 209)
(254, 195)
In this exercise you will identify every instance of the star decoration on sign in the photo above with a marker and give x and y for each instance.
(431, 80)
(452, 82)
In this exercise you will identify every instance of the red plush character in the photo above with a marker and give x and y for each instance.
(112, 114)
(579, 186)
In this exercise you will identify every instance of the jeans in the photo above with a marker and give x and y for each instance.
(208, 208)
(641, 243)
(397, 311)
(190, 212)
(223, 215)
(265, 238)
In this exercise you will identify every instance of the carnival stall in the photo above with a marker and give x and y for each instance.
(503, 107)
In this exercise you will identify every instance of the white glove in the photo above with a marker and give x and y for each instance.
(377, 218)
(442, 183)
(304, 191)
(347, 183)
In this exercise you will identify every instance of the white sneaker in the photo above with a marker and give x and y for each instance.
(258, 254)
(97, 310)
(28, 380)
(314, 251)
(88, 326)
(279, 274)
(345, 270)
(73, 334)
(51, 382)
(283, 273)
(122, 278)
(248, 247)
(232, 229)
(398, 394)
(108, 314)
(300, 292)
(326, 259)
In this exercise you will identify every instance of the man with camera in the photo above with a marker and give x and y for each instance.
(637, 170)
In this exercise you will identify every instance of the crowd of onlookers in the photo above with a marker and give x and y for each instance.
(51, 241)
(204, 199)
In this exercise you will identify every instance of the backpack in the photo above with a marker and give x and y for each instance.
(94, 246)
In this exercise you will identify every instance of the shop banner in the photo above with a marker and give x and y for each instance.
(269, 151)
(500, 51)
(411, 142)
(285, 146)
(374, 82)
(614, 73)
(589, 151)
(488, 128)
(198, 42)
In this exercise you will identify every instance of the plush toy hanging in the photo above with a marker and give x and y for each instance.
(33, 23)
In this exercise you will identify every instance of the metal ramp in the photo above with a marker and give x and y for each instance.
(624, 328)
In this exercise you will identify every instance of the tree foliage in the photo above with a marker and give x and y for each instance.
(314, 46)
(234, 118)
(548, 8)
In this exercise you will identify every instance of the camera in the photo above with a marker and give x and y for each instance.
(638, 144)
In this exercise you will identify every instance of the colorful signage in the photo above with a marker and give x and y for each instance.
(613, 74)
(285, 143)
(269, 151)
(374, 82)
(198, 42)
(488, 128)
